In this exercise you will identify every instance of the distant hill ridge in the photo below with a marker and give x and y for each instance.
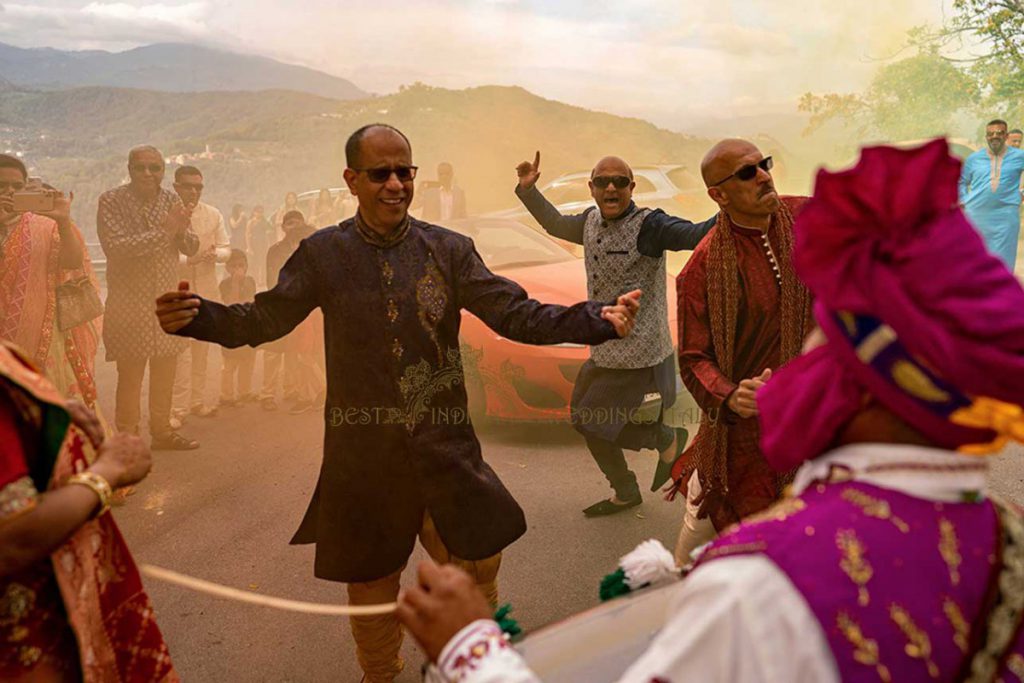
(263, 144)
(174, 67)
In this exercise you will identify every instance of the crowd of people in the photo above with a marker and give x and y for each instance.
(841, 383)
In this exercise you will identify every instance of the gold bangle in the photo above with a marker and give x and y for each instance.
(99, 485)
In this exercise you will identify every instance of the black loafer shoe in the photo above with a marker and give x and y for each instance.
(606, 507)
(664, 469)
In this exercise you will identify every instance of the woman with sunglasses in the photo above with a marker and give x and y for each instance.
(624, 248)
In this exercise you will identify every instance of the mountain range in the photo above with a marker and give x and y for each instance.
(174, 67)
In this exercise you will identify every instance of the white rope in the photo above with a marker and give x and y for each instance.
(220, 591)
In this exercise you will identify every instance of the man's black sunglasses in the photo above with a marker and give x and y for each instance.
(603, 181)
(152, 168)
(749, 171)
(382, 175)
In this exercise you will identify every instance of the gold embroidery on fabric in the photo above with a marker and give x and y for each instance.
(397, 349)
(873, 507)
(784, 509)
(1015, 664)
(918, 646)
(28, 656)
(432, 299)
(17, 497)
(16, 603)
(854, 564)
(392, 311)
(961, 629)
(1005, 617)
(722, 551)
(387, 273)
(865, 650)
(949, 548)
(420, 383)
(849, 322)
(912, 380)
(875, 342)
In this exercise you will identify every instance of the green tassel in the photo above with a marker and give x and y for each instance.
(507, 624)
(614, 585)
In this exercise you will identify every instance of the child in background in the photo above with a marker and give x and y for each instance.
(237, 288)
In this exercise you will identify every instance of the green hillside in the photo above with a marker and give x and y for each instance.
(266, 143)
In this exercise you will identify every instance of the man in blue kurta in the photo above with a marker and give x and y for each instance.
(401, 459)
(990, 192)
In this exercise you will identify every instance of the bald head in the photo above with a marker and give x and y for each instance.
(721, 160)
(748, 197)
(612, 166)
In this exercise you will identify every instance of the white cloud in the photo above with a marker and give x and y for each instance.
(659, 59)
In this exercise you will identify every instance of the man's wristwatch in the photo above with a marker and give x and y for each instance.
(100, 486)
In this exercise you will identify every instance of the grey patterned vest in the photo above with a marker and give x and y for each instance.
(614, 267)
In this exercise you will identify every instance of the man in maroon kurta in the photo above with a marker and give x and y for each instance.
(742, 313)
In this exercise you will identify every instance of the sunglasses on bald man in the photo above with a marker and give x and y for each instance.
(603, 181)
(749, 171)
(382, 175)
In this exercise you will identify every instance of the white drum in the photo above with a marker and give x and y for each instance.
(600, 644)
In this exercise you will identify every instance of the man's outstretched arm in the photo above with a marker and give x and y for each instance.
(508, 310)
(662, 232)
(271, 316)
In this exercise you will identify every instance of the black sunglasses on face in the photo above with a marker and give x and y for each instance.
(152, 168)
(749, 171)
(603, 181)
(382, 175)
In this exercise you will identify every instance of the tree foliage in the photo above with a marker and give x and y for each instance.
(912, 98)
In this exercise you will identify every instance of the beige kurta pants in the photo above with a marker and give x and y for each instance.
(379, 638)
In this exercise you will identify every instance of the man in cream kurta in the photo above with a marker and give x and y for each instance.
(200, 271)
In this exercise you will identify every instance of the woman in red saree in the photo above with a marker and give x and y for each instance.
(72, 605)
(37, 254)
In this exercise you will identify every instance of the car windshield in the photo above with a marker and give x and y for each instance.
(508, 244)
(567, 192)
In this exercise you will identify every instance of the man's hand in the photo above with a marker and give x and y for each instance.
(743, 401)
(86, 420)
(178, 220)
(124, 459)
(61, 212)
(529, 173)
(623, 315)
(444, 601)
(177, 309)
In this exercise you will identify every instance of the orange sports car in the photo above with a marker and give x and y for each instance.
(507, 380)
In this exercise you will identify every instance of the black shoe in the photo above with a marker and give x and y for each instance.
(664, 469)
(173, 442)
(607, 507)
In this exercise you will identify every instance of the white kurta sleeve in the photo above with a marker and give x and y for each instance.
(736, 620)
(480, 653)
(739, 620)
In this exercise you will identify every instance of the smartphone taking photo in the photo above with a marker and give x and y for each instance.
(36, 201)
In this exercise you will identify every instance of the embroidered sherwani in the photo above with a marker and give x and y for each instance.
(398, 442)
(881, 568)
(990, 193)
(753, 485)
(142, 263)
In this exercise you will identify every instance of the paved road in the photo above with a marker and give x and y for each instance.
(225, 512)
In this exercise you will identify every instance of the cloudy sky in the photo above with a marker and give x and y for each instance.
(675, 62)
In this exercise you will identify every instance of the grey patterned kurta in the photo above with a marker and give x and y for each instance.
(142, 264)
